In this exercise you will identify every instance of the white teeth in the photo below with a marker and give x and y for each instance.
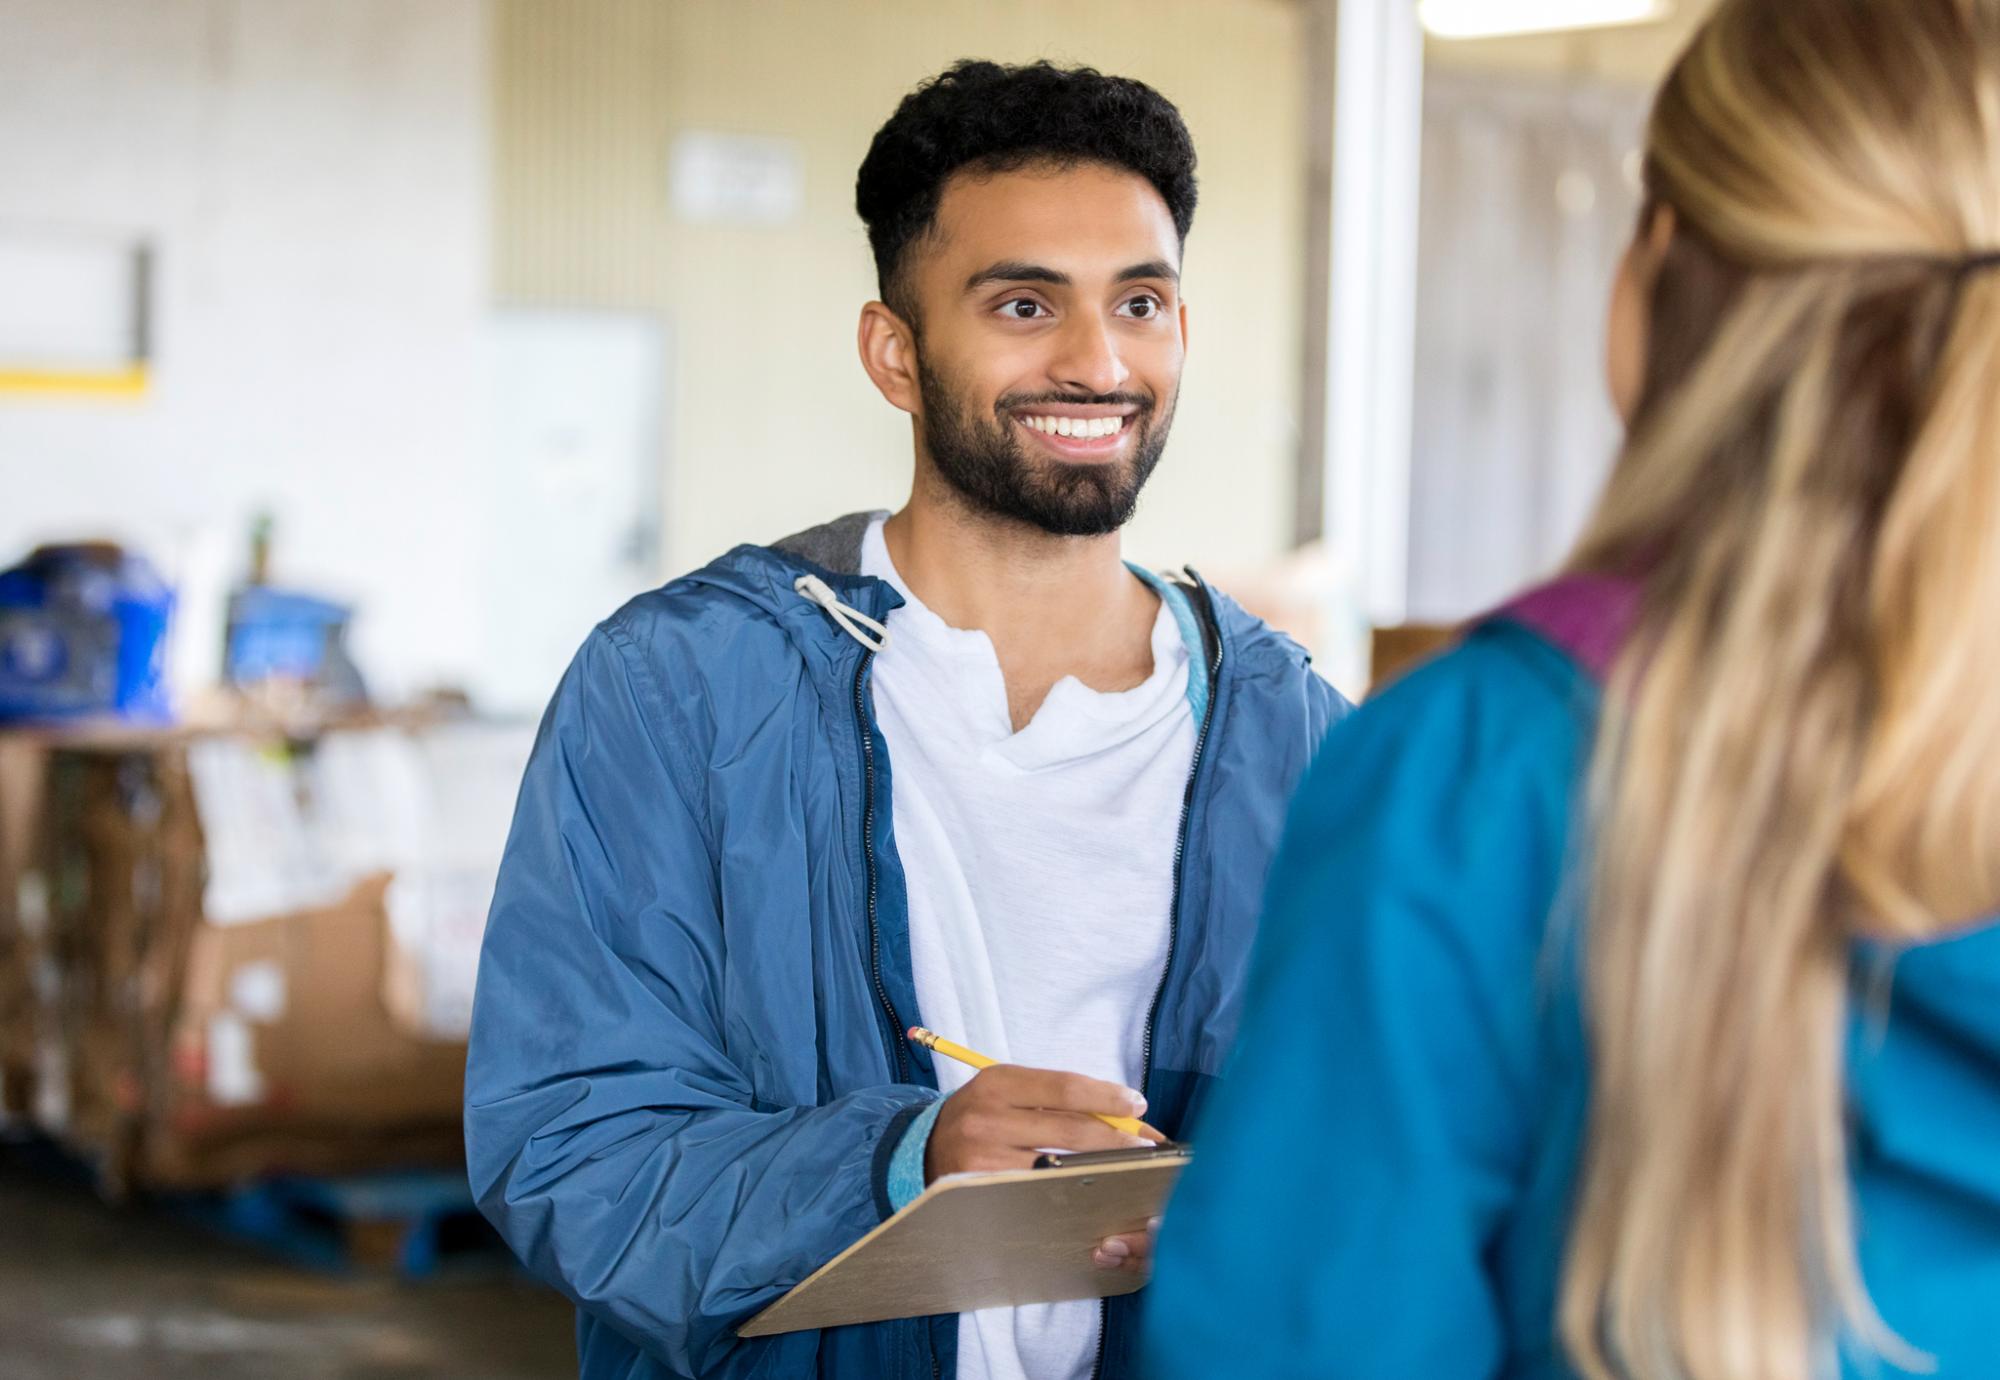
(1081, 428)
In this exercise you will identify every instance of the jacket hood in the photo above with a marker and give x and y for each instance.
(768, 576)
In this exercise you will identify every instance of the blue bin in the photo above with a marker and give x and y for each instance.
(286, 635)
(83, 632)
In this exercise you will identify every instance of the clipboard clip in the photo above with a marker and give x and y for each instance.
(1091, 1159)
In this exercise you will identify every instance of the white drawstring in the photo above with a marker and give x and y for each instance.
(851, 620)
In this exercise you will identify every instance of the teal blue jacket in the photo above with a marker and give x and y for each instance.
(1383, 1183)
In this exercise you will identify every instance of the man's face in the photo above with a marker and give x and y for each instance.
(1050, 339)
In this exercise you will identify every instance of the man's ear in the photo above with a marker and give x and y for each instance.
(1184, 328)
(889, 353)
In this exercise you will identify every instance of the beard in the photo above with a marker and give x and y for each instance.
(990, 466)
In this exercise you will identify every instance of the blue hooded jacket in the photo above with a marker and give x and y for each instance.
(687, 1071)
(1384, 1182)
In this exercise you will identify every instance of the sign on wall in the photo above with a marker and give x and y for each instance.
(737, 179)
(73, 314)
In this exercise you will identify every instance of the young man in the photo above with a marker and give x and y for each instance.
(960, 767)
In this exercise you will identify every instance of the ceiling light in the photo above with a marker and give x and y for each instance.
(1494, 18)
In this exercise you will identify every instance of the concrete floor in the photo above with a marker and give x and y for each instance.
(92, 1292)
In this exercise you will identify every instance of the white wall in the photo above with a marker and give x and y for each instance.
(1531, 149)
(1530, 196)
(313, 176)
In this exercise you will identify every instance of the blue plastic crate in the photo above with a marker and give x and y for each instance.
(83, 632)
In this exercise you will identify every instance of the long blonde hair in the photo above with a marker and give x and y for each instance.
(1801, 744)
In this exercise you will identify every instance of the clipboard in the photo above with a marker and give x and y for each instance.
(976, 1241)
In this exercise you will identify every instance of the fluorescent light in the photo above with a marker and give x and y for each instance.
(1494, 18)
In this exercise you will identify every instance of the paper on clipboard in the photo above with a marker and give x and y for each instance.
(984, 1241)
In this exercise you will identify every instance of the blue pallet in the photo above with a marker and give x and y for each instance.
(315, 1221)
(427, 1216)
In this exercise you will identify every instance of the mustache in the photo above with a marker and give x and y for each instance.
(1014, 402)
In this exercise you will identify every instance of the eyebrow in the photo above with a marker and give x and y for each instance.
(1016, 271)
(1156, 268)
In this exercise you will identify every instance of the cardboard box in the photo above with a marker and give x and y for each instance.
(188, 1011)
(112, 898)
(1399, 649)
(23, 770)
(285, 1057)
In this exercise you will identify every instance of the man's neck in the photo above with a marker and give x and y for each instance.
(1052, 606)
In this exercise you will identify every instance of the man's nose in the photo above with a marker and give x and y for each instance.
(1089, 360)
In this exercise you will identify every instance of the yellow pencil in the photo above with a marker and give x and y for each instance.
(937, 1044)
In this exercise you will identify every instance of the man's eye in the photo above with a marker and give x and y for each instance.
(1023, 309)
(1143, 308)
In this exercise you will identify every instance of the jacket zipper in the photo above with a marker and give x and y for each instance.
(896, 1049)
(1210, 630)
(1206, 607)
(874, 919)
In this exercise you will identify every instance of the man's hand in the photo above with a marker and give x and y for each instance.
(1133, 1254)
(1007, 1114)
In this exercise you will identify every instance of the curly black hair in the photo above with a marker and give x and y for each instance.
(992, 118)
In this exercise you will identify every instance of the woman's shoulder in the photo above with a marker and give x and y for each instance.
(1501, 654)
(1456, 789)
(1505, 699)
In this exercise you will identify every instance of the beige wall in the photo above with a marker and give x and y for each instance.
(773, 424)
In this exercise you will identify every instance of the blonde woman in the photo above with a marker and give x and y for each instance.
(1623, 1007)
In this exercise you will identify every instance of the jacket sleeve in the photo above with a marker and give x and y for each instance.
(1326, 706)
(1370, 1135)
(609, 1137)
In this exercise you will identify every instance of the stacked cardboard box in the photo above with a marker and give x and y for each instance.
(21, 781)
(219, 960)
(1400, 649)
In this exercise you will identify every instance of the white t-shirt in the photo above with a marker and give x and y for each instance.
(1040, 870)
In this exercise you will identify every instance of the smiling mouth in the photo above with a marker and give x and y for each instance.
(1079, 438)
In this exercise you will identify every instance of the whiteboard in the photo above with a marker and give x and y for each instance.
(70, 304)
(576, 428)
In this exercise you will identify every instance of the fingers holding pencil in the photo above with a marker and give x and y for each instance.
(1099, 1094)
(1007, 1114)
(1002, 1120)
